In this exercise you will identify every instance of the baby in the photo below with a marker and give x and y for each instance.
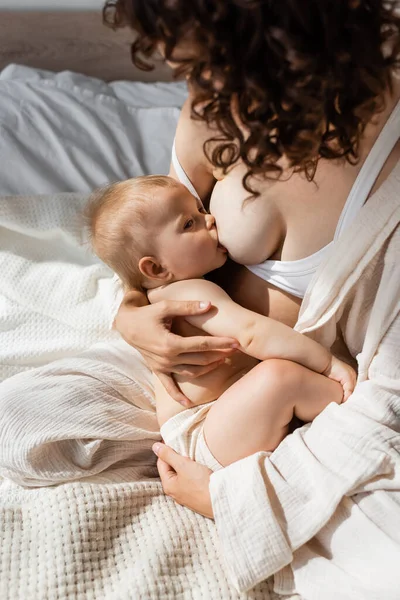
(157, 236)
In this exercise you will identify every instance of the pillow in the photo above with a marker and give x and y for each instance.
(133, 93)
(67, 132)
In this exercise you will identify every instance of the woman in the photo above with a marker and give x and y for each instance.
(293, 98)
(304, 89)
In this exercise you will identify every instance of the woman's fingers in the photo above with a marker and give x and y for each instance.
(193, 371)
(178, 364)
(179, 308)
(196, 350)
(169, 457)
(172, 388)
(207, 343)
(205, 358)
(186, 481)
(167, 473)
(177, 357)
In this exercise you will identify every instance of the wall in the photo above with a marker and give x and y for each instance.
(51, 4)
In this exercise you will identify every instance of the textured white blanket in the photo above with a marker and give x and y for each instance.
(107, 542)
(55, 296)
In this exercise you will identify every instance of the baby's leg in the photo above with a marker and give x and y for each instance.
(255, 412)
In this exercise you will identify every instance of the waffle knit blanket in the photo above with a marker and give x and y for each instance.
(115, 541)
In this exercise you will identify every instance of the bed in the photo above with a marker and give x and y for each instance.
(70, 121)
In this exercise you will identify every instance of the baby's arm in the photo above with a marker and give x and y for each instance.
(258, 336)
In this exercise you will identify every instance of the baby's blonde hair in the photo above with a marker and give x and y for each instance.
(116, 217)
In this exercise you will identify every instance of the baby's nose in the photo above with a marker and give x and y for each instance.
(210, 221)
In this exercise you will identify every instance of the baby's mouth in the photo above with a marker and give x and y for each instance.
(221, 247)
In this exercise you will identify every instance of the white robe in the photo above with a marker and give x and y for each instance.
(323, 511)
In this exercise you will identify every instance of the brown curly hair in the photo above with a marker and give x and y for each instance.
(303, 77)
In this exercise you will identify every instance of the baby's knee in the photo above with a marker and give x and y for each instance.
(280, 375)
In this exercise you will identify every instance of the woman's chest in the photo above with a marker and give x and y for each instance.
(257, 295)
(290, 219)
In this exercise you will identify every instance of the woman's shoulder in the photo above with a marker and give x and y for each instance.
(191, 134)
(194, 131)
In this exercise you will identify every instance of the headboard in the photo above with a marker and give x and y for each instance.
(75, 41)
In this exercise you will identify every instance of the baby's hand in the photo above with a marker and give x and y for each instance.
(344, 374)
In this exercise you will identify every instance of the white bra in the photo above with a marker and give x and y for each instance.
(294, 276)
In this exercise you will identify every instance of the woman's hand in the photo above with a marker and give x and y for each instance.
(148, 328)
(186, 481)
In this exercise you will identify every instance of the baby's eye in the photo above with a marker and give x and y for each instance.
(202, 210)
(189, 224)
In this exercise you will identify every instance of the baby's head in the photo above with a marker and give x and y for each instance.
(151, 231)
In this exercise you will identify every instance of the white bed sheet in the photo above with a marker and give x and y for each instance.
(67, 132)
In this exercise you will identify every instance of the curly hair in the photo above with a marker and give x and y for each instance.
(293, 78)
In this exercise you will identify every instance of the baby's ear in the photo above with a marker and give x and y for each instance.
(152, 269)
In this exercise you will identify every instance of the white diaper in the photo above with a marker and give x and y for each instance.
(185, 434)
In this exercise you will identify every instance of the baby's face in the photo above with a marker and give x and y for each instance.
(187, 239)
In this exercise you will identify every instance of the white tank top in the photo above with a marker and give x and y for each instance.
(294, 276)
